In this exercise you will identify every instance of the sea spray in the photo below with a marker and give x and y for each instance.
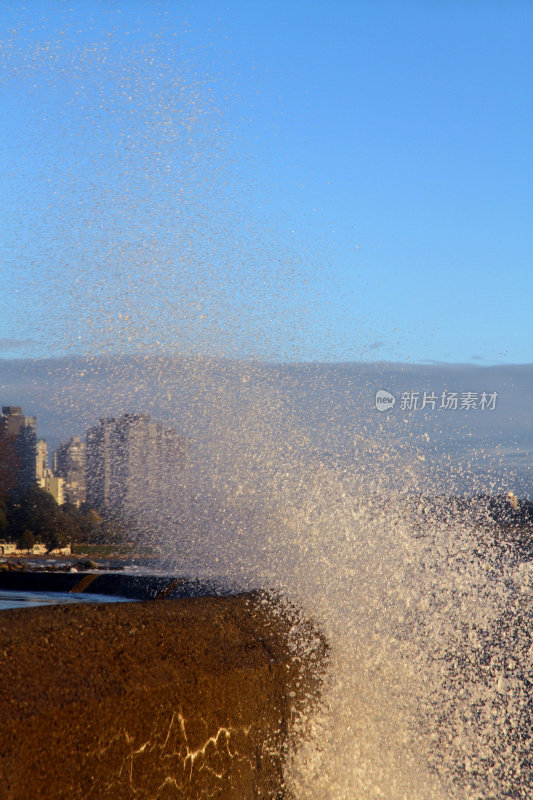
(427, 692)
(426, 612)
(147, 251)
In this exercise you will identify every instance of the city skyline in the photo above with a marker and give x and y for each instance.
(229, 411)
(134, 464)
(125, 465)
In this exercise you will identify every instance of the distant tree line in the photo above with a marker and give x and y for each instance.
(34, 516)
(31, 515)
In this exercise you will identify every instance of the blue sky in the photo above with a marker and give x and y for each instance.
(290, 181)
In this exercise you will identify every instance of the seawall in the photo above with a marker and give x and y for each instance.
(170, 698)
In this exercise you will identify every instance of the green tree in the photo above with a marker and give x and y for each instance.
(75, 520)
(26, 540)
(36, 510)
(88, 523)
(65, 530)
(56, 540)
(92, 526)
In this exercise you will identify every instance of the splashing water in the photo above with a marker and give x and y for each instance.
(428, 688)
(427, 694)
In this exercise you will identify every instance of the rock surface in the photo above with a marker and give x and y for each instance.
(188, 698)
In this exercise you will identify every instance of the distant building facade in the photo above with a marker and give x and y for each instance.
(133, 464)
(41, 465)
(70, 465)
(19, 450)
(56, 487)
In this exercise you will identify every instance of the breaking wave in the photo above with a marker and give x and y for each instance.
(428, 691)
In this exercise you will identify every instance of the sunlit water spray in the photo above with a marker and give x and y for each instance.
(427, 694)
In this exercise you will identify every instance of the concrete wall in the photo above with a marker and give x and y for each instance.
(185, 699)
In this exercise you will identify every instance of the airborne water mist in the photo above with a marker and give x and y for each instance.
(135, 253)
(427, 694)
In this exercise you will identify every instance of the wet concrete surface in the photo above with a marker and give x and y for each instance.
(176, 697)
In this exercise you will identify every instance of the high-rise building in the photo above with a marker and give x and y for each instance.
(19, 450)
(70, 464)
(133, 464)
(41, 466)
(55, 486)
(100, 448)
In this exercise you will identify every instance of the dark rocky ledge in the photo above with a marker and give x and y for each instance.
(118, 584)
(169, 698)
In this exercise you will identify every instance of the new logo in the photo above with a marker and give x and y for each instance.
(384, 400)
